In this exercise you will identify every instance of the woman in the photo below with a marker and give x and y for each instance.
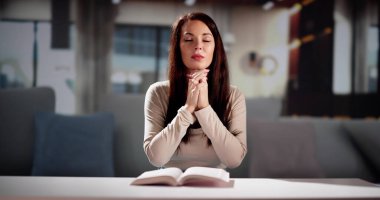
(196, 118)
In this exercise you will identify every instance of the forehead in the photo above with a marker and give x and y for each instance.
(195, 27)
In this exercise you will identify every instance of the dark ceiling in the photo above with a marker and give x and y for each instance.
(286, 3)
(280, 3)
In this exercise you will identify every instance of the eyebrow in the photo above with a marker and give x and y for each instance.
(202, 34)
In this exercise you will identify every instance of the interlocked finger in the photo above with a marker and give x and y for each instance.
(196, 76)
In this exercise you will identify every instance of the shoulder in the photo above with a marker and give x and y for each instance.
(158, 90)
(235, 92)
(159, 87)
(237, 98)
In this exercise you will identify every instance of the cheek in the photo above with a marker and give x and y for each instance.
(185, 56)
(183, 52)
(210, 52)
(184, 49)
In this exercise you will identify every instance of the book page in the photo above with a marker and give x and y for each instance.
(167, 176)
(204, 176)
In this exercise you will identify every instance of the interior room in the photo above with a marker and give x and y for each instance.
(74, 75)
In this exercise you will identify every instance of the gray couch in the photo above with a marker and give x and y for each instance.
(315, 148)
(278, 147)
(17, 109)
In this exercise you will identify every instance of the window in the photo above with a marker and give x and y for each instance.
(366, 47)
(16, 54)
(139, 57)
(372, 59)
(27, 59)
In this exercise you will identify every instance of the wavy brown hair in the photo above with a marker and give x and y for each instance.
(218, 76)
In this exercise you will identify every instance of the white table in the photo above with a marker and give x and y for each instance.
(120, 188)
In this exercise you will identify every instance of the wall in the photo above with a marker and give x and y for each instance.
(265, 32)
(164, 13)
(30, 9)
(254, 29)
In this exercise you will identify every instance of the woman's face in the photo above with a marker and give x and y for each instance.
(197, 45)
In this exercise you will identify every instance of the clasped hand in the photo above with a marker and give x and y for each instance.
(197, 92)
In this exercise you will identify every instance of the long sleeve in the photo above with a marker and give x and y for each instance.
(229, 148)
(160, 142)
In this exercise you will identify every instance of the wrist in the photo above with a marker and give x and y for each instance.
(200, 107)
(191, 109)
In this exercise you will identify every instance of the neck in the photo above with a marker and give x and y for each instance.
(193, 70)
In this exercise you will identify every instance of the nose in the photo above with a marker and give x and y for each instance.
(199, 45)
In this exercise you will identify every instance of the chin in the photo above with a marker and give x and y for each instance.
(197, 67)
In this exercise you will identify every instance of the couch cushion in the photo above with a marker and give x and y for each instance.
(337, 155)
(282, 150)
(366, 137)
(267, 108)
(73, 145)
(17, 110)
(128, 109)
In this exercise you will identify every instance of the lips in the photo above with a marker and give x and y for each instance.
(197, 57)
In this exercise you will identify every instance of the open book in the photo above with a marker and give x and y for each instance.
(198, 176)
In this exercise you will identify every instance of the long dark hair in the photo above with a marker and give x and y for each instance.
(218, 77)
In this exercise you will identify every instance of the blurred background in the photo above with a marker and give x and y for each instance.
(319, 57)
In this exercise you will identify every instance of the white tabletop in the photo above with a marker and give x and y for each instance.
(120, 188)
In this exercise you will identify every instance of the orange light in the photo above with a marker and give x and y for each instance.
(307, 2)
(295, 8)
(295, 44)
(327, 31)
(308, 38)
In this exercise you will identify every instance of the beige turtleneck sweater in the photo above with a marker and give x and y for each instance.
(163, 146)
